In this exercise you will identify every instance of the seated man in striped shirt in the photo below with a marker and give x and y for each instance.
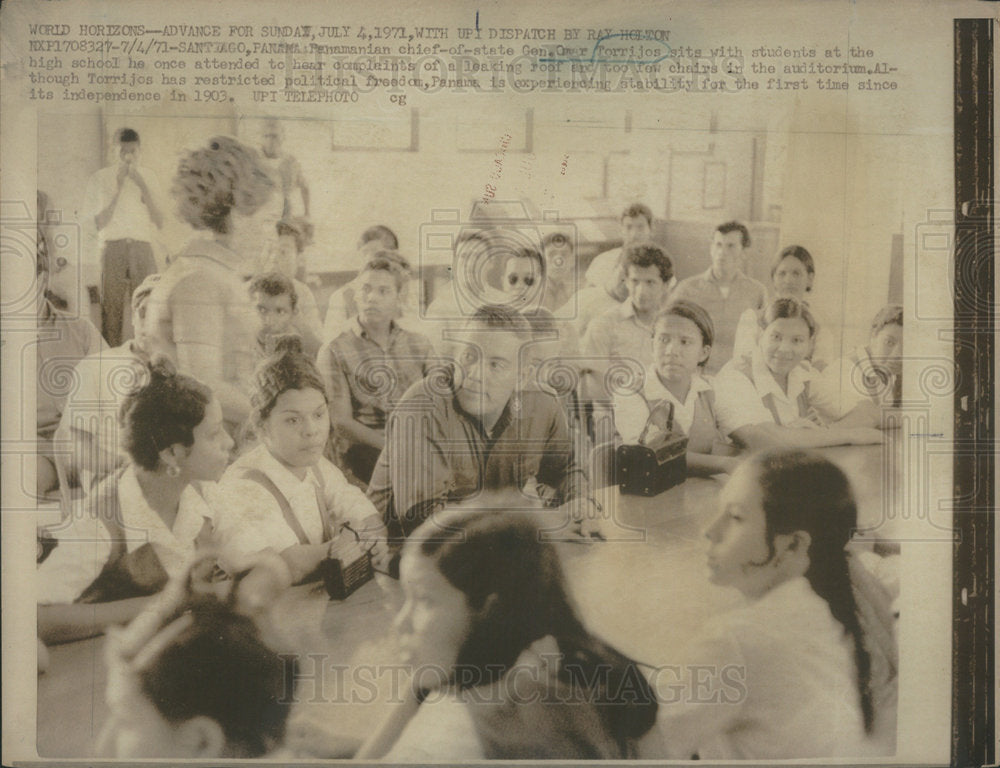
(368, 367)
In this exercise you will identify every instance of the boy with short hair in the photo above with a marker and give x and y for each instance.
(368, 367)
(276, 302)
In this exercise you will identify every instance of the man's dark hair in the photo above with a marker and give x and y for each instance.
(638, 209)
(391, 262)
(127, 135)
(274, 284)
(500, 318)
(735, 226)
(380, 232)
(645, 255)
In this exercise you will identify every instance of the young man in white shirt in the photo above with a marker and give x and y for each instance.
(122, 202)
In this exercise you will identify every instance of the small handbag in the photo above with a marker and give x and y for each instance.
(658, 461)
(347, 566)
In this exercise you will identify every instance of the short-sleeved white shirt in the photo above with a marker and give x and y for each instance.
(84, 545)
(777, 681)
(739, 401)
(249, 518)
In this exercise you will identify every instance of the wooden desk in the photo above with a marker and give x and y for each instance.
(645, 590)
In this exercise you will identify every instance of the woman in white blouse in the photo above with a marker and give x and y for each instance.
(770, 399)
(284, 495)
(790, 673)
(792, 276)
(683, 334)
(142, 524)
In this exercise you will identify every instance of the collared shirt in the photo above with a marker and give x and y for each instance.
(202, 301)
(683, 411)
(436, 453)
(356, 368)
(131, 218)
(104, 379)
(620, 333)
(798, 693)
(632, 410)
(84, 543)
(63, 341)
(747, 393)
(725, 310)
(603, 269)
(250, 519)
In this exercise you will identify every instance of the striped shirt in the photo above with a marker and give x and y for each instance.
(356, 368)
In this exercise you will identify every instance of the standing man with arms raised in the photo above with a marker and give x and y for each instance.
(122, 201)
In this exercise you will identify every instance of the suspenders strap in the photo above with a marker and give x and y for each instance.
(286, 509)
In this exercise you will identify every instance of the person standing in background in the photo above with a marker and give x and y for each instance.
(123, 202)
(283, 169)
(202, 305)
(724, 290)
(605, 277)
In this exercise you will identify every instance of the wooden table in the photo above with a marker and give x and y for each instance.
(645, 590)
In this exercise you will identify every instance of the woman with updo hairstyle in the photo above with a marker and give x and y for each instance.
(771, 398)
(284, 495)
(202, 304)
(143, 523)
(502, 666)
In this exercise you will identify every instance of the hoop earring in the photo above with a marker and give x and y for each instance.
(173, 470)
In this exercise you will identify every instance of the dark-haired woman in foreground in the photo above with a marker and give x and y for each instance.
(790, 673)
(501, 662)
(140, 525)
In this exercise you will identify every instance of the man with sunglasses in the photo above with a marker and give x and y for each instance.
(524, 278)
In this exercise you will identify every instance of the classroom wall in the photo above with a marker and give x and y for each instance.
(582, 164)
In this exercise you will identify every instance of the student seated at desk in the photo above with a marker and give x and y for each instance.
(869, 380)
(807, 665)
(343, 304)
(143, 523)
(769, 399)
(369, 366)
(793, 273)
(89, 421)
(192, 678)
(477, 429)
(682, 343)
(284, 495)
(503, 668)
